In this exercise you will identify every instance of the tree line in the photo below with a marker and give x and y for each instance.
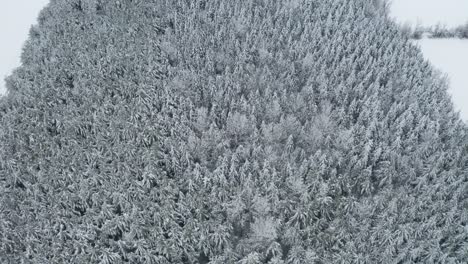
(438, 31)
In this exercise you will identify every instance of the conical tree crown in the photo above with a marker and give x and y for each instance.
(216, 131)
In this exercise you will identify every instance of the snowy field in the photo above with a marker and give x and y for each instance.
(430, 12)
(448, 55)
(451, 57)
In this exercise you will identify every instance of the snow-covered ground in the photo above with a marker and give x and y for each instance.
(448, 55)
(430, 12)
(451, 57)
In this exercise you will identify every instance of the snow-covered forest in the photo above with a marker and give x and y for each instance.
(257, 131)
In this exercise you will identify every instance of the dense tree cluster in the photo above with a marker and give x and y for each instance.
(216, 131)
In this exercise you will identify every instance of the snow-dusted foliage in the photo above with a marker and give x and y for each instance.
(219, 131)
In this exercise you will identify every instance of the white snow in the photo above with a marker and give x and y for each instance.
(448, 55)
(16, 18)
(451, 57)
(430, 12)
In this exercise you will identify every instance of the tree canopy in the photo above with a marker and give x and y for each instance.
(218, 131)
